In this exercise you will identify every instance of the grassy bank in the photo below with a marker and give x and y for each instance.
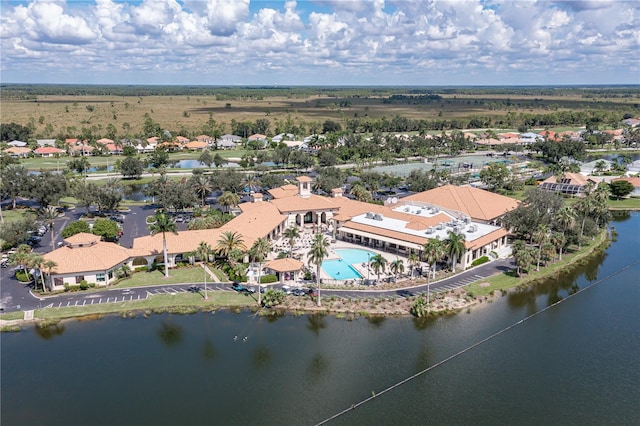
(509, 280)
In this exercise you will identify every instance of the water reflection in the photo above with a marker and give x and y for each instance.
(316, 323)
(47, 333)
(209, 352)
(318, 367)
(376, 320)
(424, 359)
(170, 334)
(261, 357)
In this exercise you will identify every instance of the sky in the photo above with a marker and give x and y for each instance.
(323, 42)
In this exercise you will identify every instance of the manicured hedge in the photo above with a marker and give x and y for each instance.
(480, 261)
(268, 279)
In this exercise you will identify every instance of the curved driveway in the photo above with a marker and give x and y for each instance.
(15, 296)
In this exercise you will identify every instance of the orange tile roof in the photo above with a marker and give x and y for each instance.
(396, 235)
(104, 141)
(284, 265)
(18, 150)
(303, 204)
(474, 202)
(196, 145)
(304, 179)
(82, 238)
(284, 191)
(256, 221)
(574, 179)
(182, 242)
(634, 180)
(484, 240)
(100, 256)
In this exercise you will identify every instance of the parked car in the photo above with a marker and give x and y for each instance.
(312, 292)
(34, 240)
(42, 230)
(298, 292)
(250, 289)
(237, 286)
(4, 263)
(194, 289)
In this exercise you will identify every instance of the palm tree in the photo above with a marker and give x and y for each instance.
(455, 247)
(229, 242)
(360, 192)
(21, 258)
(523, 256)
(397, 267)
(229, 199)
(203, 252)
(378, 263)
(48, 265)
(163, 224)
(566, 219)
(49, 215)
(541, 236)
(316, 256)
(413, 261)
(35, 261)
(202, 186)
(291, 234)
(259, 251)
(433, 251)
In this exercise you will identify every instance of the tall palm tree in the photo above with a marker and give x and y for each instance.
(229, 242)
(566, 220)
(202, 186)
(432, 252)
(259, 251)
(21, 258)
(413, 261)
(316, 255)
(49, 215)
(48, 265)
(378, 263)
(455, 247)
(35, 261)
(397, 267)
(541, 236)
(291, 234)
(203, 252)
(229, 199)
(163, 224)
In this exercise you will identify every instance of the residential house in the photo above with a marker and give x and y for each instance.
(46, 142)
(18, 152)
(196, 146)
(48, 151)
(568, 184)
(18, 144)
(635, 181)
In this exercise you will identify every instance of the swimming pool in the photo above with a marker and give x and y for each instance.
(341, 269)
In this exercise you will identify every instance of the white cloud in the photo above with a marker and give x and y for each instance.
(358, 41)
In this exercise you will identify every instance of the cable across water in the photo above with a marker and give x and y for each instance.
(467, 349)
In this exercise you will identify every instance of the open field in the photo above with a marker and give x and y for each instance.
(123, 112)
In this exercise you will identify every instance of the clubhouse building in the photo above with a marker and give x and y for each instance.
(400, 227)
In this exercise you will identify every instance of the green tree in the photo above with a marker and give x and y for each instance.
(229, 199)
(541, 236)
(47, 265)
(158, 158)
(201, 185)
(621, 188)
(206, 158)
(163, 224)
(397, 267)
(258, 252)
(48, 215)
(412, 260)
(131, 167)
(218, 160)
(291, 234)
(379, 264)
(316, 255)
(230, 241)
(455, 247)
(79, 164)
(21, 258)
(203, 251)
(432, 251)
(106, 228)
(14, 181)
(495, 176)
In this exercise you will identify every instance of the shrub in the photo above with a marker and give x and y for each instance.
(480, 261)
(66, 287)
(268, 279)
(84, 285)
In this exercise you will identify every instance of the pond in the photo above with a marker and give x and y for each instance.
(573, 363)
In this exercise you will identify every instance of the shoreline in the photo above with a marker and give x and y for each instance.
(450, 302)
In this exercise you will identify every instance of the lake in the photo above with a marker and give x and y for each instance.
(574, 363)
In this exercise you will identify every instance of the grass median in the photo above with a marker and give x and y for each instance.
(187, 275)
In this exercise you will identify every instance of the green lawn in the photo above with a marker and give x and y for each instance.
(14, 215)
(509, 280)
(625, 203)
(181, 302)
(176, 276)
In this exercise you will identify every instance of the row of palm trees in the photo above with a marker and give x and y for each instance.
(27, 260)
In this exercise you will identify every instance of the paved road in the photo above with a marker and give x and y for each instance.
(16, 296)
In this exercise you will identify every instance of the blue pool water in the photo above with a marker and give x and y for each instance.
(341, 269)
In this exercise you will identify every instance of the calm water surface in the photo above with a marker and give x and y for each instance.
(576, 363)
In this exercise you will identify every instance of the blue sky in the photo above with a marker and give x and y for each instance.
(323, 42)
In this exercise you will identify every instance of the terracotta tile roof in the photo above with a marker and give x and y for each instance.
(256, 221)
(18, 150)
(72, 141)
(396, 235)
(182, 139)
(303, 204)
(100, 256)
(284, 265)
(492, 236)
(284, 191)
(85, 148)
(196, 145)
(574, 179)
(350, 208)
(634, 180)
(304, 179)
(476, 203)
(82, 238)
(104, 141)
(182, 242)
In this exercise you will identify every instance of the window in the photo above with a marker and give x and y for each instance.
(100, 277)
(79, 278)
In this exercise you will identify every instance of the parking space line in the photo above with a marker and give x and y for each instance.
(69, 302)
(100, 301)
(83, 302)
